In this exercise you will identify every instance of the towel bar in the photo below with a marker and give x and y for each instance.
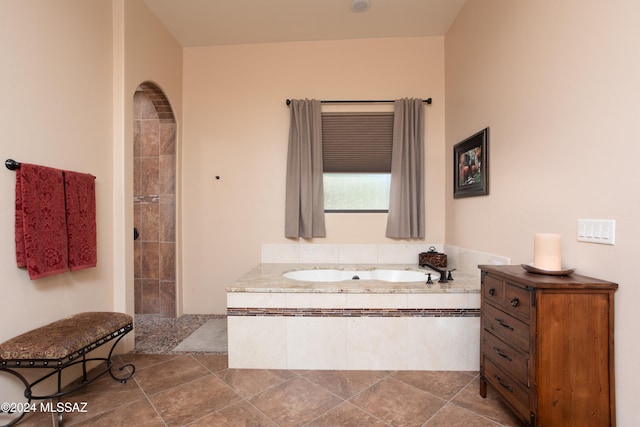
(12, 165)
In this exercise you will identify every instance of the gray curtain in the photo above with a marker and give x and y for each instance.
(406, 199)
(304, 205)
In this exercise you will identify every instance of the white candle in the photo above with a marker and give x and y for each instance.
(547, 251)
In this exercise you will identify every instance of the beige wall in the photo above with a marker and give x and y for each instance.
(558, 84)
(236, 126)
(56, 110)
(67, 103)
(147, 52)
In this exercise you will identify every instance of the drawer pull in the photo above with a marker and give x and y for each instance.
(507, 386)
(504, 325)
(515, 301)
(492, 291)
(501, 353)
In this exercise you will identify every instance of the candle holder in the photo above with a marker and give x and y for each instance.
(532, 269)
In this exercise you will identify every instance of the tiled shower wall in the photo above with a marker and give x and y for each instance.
(154, 203)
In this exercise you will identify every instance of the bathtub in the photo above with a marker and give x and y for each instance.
(384, 275)
(283, 316)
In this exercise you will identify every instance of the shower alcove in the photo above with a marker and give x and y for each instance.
(154, 202)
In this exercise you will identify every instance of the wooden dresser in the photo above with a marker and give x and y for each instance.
(546, 346)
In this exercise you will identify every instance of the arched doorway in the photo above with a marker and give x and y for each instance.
(154, 201)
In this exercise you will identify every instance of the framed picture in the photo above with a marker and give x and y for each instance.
(471, 166)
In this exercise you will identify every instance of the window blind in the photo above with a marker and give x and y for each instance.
(357, 142)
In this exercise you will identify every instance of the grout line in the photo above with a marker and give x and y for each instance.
(350, 400)
(259, 411)
(346, 402)
(341, 399)
(223, 382)
(451, 402)
(144, 393)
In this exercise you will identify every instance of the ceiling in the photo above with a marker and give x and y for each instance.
(223, 22)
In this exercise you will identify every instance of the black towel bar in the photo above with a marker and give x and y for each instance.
(13, 165)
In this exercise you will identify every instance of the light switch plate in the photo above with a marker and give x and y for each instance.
(597, 231)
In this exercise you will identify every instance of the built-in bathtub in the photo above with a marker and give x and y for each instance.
(278, 322)
(380, 274)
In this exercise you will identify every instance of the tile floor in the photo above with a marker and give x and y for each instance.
(189, 389)
(199, 390)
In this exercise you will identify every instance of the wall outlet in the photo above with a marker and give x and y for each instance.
(597, 231)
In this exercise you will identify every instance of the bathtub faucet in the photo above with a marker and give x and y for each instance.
(445, 275)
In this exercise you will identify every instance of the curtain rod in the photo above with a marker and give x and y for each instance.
(427, 101)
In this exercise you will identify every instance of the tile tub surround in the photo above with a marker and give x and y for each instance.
(280, 323)
(463, 259)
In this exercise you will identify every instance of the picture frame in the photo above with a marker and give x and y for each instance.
(471, 166)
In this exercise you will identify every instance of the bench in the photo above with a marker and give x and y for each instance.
(62, 344)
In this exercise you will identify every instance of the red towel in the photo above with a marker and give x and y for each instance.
(21, 257)
(80, 189)
(41, 231)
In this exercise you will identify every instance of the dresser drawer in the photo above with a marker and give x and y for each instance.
(492, 289)
(510, 389)
(517, 301)
(506, 357)
(511, 330)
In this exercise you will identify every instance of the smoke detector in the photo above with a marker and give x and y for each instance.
(360, 6)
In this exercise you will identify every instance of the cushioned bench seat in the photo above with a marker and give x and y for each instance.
(62, 344)
(64, 338)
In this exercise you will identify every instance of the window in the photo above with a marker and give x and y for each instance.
(362, 192)
(356, 155)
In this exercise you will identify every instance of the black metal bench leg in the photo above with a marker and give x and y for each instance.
(122, 368)
(27, 394)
